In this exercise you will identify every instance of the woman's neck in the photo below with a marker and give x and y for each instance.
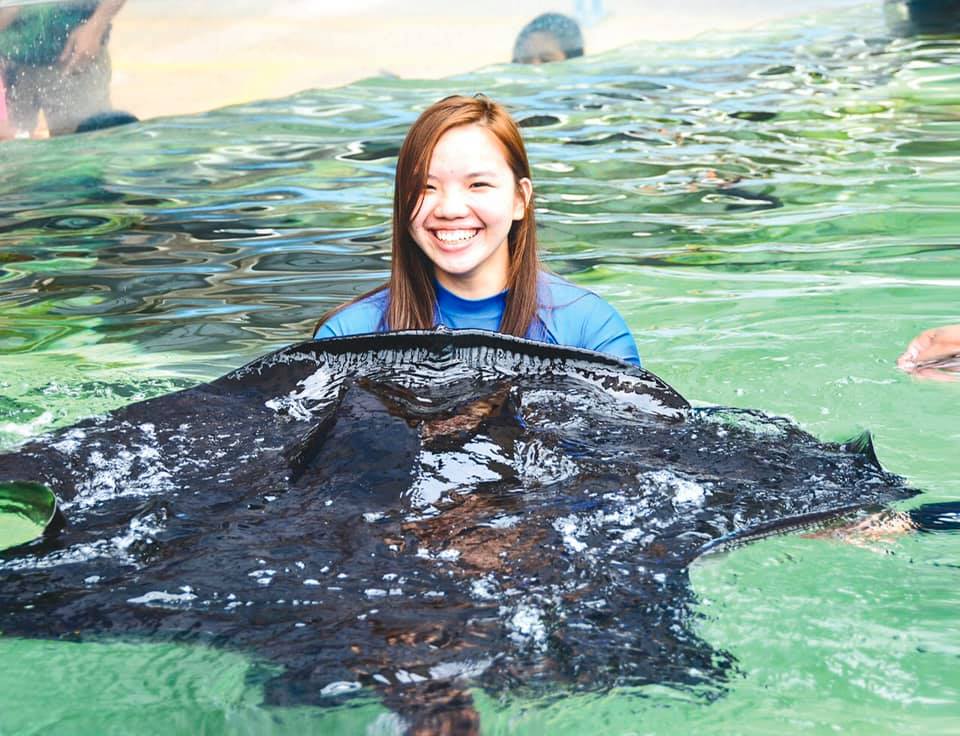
(472, 288)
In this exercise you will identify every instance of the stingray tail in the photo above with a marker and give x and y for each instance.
(862, 445)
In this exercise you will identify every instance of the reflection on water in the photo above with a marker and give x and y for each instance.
(774, 214)
(257, 218)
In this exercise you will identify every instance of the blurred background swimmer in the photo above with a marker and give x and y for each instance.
(6, 129)
(54, 59)
(108, 119)
(548, 37)
(922, 17)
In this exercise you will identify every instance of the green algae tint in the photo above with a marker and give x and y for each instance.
(25, 510)
(129, 687)
(774, 213)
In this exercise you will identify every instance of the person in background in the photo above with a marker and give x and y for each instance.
(922, 17)
(54, 58)
(932, 352)
(6, 128)
(548, 37)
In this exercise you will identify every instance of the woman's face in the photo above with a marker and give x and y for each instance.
(467, 208)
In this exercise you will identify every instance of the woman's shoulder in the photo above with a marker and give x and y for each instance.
(576, 316)
(559, 293)
(358, 318)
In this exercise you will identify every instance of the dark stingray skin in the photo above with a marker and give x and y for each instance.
(415, 512)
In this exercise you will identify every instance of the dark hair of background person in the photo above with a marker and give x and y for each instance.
(109, 119)
(548, 37)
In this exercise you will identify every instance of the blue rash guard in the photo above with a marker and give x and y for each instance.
(568, 315)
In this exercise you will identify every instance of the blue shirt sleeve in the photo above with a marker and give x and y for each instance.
(579, 318)
(358, 318)
(604, 330)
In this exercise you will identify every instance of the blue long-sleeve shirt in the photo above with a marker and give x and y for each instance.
(568, 315)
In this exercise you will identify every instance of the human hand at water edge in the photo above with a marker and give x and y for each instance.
(932, 352)
(86, 41)
(82, 46)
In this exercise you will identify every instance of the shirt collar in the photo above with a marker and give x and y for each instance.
(451, 305)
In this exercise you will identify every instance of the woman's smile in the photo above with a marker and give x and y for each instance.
(455, 237)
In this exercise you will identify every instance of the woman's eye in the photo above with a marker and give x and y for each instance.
(429, 188)
(477, 184)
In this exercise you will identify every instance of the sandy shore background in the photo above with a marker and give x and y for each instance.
(174, 56)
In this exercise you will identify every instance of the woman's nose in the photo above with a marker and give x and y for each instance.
(451, 203)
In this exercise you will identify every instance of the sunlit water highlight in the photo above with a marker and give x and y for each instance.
(774, 214)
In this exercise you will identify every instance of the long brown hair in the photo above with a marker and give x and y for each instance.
(412, 298)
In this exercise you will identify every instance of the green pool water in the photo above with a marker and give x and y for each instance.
(775, 214)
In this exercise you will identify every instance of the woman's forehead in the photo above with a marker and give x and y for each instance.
(466, 150)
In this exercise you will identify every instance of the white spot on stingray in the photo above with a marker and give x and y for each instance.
(526, 625)
(408, 678)
(504, 522)
(485, 588)
(569, 528)
(70, 441)
(263, 577)
(684, 491)
(339, 688)
(447, 670)
(133, 469)
(163, 599)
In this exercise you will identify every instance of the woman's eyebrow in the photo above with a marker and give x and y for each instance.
(477, 174)
(471, 175)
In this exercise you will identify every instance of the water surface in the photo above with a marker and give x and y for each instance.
(775, 215)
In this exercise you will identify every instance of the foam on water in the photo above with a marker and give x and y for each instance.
(163, 599)
(683, 490)
(526, 624)
(111, 472)
(118, 547)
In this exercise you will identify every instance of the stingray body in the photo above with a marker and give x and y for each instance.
(415, 510)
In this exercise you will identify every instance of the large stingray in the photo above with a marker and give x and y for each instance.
(417, 511)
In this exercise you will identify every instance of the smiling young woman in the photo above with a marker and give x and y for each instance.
(464, 243)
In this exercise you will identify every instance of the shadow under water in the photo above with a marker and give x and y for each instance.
(418, 513)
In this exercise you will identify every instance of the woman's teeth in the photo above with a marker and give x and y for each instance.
(452, 236)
